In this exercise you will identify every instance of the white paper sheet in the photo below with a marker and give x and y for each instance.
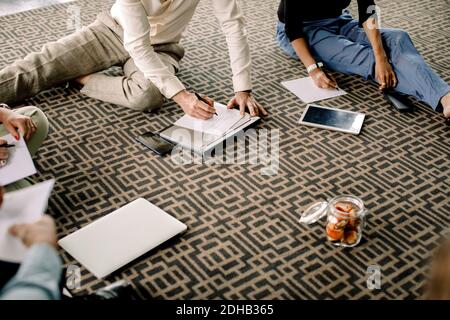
(22, 206)
(218, 125)
(308, 92)
(19, 165)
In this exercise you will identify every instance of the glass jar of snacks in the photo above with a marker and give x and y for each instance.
(345, 219)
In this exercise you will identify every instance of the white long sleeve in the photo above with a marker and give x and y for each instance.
(232, 23)
(151, 22)
(133, 18)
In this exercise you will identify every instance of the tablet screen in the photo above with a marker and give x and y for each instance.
(331, 118)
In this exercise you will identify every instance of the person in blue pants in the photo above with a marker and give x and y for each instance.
(323, 34)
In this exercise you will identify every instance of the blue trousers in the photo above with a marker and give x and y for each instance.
(344, 47)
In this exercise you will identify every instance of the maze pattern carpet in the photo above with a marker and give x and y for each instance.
(244, 240)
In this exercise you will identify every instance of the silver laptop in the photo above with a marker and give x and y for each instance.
(121, 236)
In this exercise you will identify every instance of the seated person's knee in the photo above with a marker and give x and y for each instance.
(147, 101)
(42, 127)
(41, 121)
(401, 36)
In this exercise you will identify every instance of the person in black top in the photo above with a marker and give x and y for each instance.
(323, 34)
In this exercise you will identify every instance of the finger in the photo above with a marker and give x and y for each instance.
(47, 219)
(383, 83)
(13, 131)
(4, 153)
(232, 103)
(205, 107)
(21, 125)
(333, 83)
(209, 100)
(379, 79)
(322, 84)
(328, 83)
(18, 230)
(395, 79)
(3, 141)
(32, 127)
(386, 81)
(252, 108)
(242, 108)
(389, 80)
(202, 114)
(29, 130)
(392, 77)
(261, 109)
(317, 81)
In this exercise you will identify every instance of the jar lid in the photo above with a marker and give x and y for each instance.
(314, 212)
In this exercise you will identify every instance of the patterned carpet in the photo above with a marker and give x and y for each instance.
(243, 239)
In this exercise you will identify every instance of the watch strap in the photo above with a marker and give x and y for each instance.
(314, 66)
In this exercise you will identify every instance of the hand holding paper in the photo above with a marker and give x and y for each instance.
(42, 231)
(19, 163)
(308, 92)
(22, 206)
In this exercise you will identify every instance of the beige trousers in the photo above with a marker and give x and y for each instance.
(91, 50)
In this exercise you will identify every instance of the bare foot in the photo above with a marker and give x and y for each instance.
(83, 80)
(445, 101)
(447, 111)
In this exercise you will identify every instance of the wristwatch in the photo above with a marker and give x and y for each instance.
(314, 66)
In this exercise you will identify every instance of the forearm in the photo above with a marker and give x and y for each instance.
(302, 49)
(38, 277)
(133, 18)
(374, 36)
(232, 23)
(3, 114)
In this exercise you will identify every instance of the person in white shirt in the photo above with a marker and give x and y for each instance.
(143, 37)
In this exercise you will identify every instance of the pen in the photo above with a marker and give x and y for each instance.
(5, 145)
(337, 87)
(199, 97)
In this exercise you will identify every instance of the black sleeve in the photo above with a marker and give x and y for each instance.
(365, 10)
(292, 19)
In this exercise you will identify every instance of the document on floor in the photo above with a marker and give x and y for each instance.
(19, 165)
(23, 206)
(218, 125)
(308, 92)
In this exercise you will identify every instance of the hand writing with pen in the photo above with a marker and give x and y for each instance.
(16, 125)
(203, 107)
(41, 231)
